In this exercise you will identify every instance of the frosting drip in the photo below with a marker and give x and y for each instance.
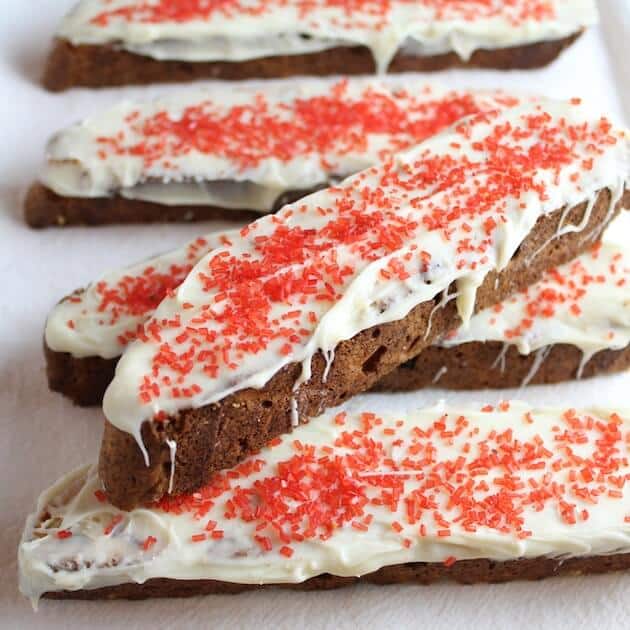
(585, 303)
(363, 254)
(245, 147)
(351, 493)
(236, 30)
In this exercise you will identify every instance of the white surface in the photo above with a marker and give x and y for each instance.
(42, 435)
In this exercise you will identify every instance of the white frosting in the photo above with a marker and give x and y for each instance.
(223, 329)
(603, 320)
(585, 303)
(267, 28)
(130, 151)
(436, 485)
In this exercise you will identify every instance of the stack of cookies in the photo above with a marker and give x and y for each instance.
(403, 235)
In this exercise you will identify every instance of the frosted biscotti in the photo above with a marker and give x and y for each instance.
(470, 494)
(104, 42)
(302, 309)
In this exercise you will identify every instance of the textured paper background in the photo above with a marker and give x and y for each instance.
(43, 436)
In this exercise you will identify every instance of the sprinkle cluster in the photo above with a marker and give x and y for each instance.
(136, 294)
(333, 122)
(346, 13)
(268, 291)
(455, 474)
(565, 291)
(329, 125)
(561, 290)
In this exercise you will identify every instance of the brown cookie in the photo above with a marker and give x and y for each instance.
(424, 573)
(219, 435)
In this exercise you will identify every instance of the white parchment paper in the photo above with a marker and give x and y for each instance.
(42, 435)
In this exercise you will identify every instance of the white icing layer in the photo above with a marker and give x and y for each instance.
(596, 284)
(101, 320)
(351, 493)
(266, 28)
(585, 303)
(363, 254)
(244, 147)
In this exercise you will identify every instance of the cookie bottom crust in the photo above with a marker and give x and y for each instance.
(102, 66)
(422, 573)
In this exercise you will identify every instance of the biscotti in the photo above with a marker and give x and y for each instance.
(573, 323)
(103, 43)
(214, 153)
(492, 365)
(471, 494)
(304, 308)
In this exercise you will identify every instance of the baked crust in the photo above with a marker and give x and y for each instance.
(478, 365)
(101, 66)
(219, 435)
(82, 380)
(473, 365)
(45, 208)
(424, 573)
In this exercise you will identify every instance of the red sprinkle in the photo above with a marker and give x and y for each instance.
(149, 541)
(110, 528)
(490, 481)
(286, 551)
(348, 13)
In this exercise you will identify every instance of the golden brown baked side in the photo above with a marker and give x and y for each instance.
(472, 365)
(45, 208)
(422, 573)
(476, 365)
(102, 66)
